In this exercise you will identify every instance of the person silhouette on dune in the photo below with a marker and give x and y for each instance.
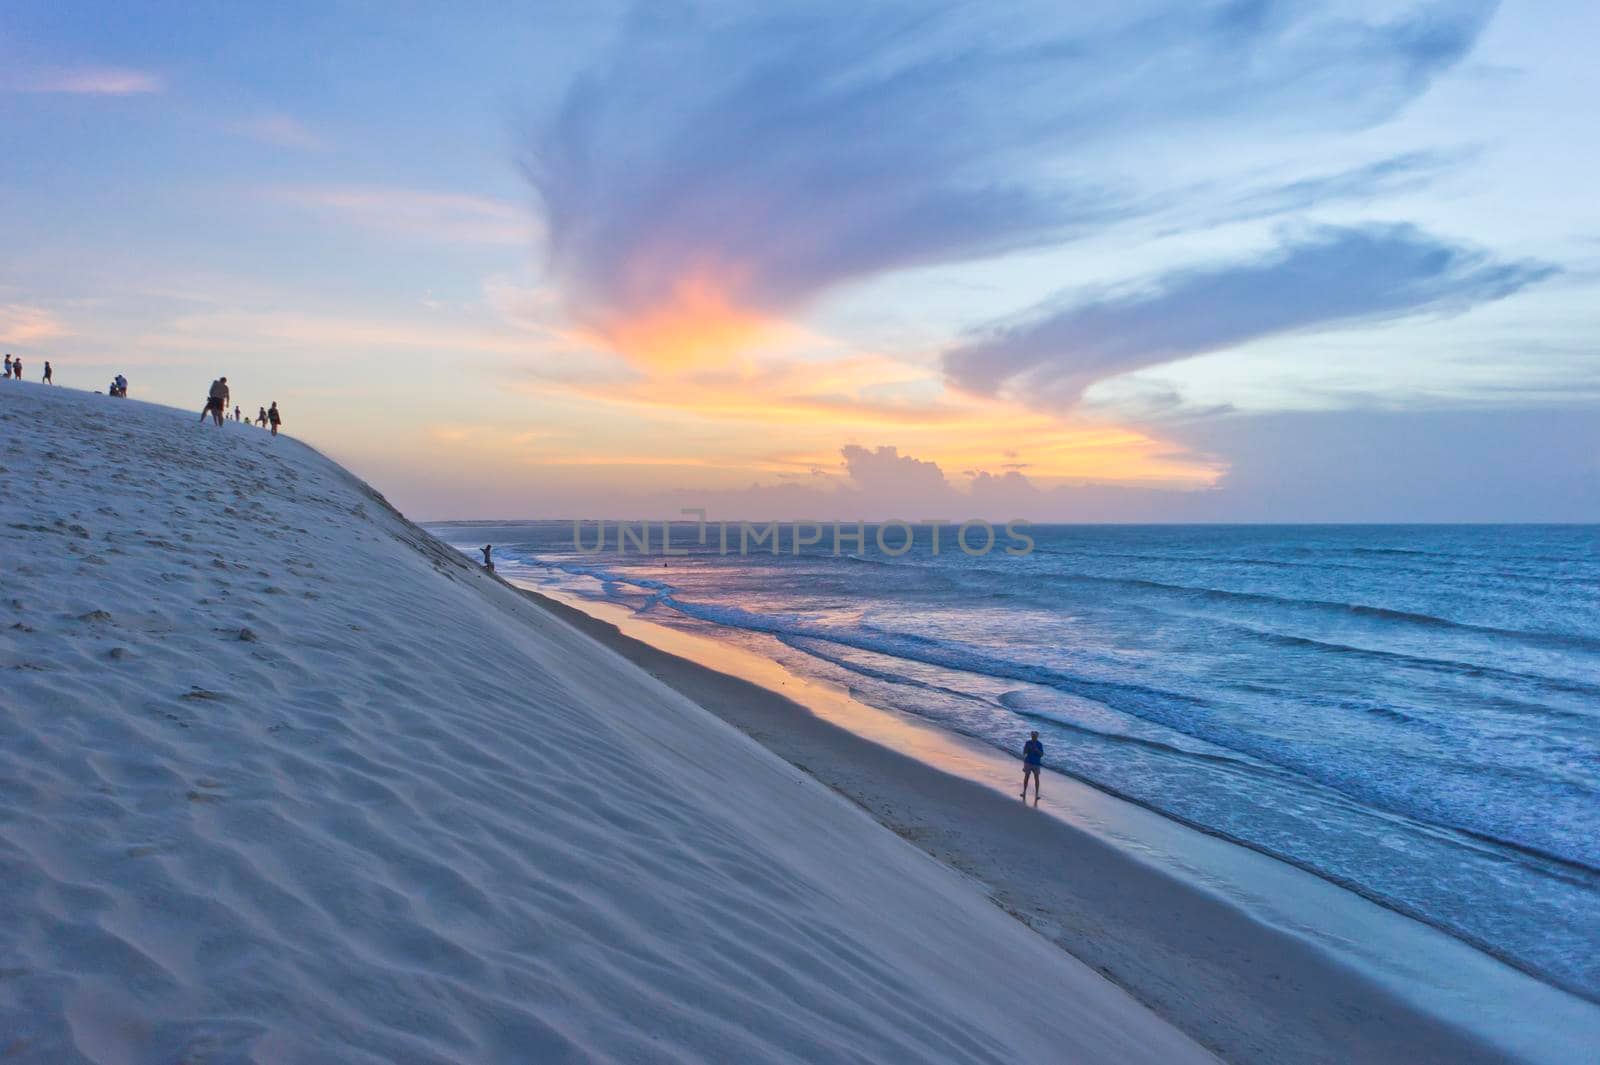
(216, 401)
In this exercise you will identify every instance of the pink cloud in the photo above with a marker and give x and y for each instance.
(88, 81)
(240, 330)
(451, 217)
(281, 130)
(21, 324)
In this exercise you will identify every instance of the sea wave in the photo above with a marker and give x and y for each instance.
(1567, 641)
(1418, 723)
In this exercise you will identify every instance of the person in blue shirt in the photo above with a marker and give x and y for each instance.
(1032, 762)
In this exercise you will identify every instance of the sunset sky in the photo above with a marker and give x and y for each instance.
(1255, 261)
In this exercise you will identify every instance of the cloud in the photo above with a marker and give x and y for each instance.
(439, 216)
(1393, 174)
(1452, 465)
(1326, 466)
(1329, 278)
(816, 147)
(812, 405)
(22, 324)
(85, 81)
(886, 475)
(280, 130)
(452, 433)
(245, 330)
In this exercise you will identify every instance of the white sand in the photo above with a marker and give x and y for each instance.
(282, 779)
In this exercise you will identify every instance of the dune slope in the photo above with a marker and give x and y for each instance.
(284, 779)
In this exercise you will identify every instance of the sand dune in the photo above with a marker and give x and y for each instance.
(283, 779)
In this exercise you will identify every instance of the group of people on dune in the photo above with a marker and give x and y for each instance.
(14, 370)
(216, 397)
(217, 408)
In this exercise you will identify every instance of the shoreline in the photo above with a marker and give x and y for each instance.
(245, 819)
(1256, 959)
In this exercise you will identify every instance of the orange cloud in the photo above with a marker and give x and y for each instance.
(697, 325)
(733, 415)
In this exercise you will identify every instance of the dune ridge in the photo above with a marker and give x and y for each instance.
(284, 779)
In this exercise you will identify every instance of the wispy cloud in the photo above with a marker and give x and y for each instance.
(1388, 176)
(452, 433)
(235, 330)
(812, 406)
(820, 146)
(1326, 279)
(83, 81)
(439, 216)
(280, 130)
(21, 323)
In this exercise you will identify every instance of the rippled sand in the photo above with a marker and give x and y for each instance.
(282, 779)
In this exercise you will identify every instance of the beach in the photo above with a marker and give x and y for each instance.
(1406, 712)
(1258, 960)
(285, 778)
(288, 778)
(564, 533)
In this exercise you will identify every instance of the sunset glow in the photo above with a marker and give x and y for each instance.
(697, 326)
(851, 257)
(515, 508)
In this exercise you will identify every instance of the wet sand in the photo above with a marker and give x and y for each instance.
(243, 819)
(1259, 961)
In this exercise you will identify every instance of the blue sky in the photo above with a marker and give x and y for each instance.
(1168, 261)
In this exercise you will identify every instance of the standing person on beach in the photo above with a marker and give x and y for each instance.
(488, 557)
(49, 374)
(217, 403)
(1032, 762)
(274, 418)
(16, 368)
(261, 418)
(8, 364)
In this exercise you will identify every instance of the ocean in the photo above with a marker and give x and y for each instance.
(1412, 712)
